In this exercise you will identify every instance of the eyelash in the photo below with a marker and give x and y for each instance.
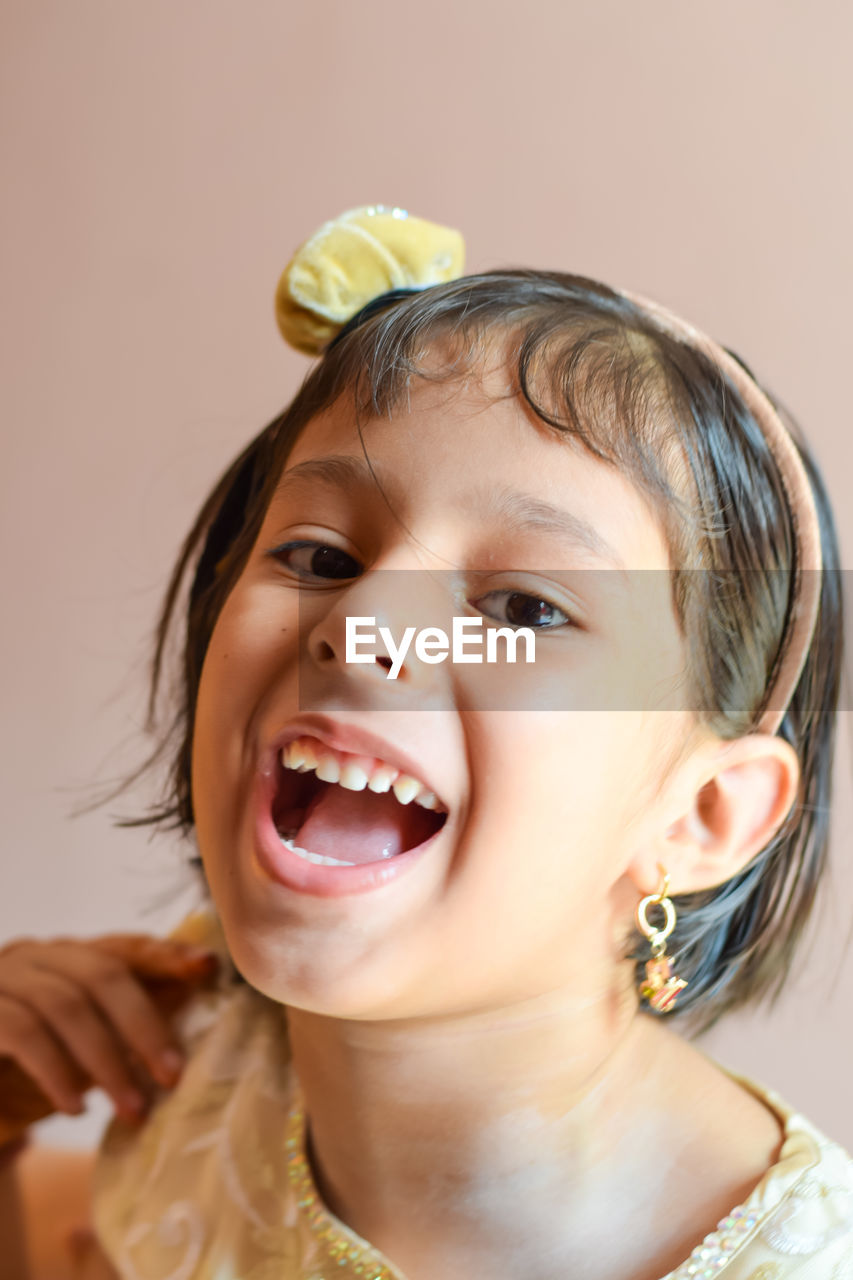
(281, 553)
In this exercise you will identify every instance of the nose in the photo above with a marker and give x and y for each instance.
(363, 645)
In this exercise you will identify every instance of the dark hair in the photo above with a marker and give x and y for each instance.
(681, 431)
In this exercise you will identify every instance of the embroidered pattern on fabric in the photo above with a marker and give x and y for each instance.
(180, 1226)
(814, 1216)
(223, 1117)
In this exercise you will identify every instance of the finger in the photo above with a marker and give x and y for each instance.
(68, 1012)
(26, 1039)
(124, 1001)
(152, 957)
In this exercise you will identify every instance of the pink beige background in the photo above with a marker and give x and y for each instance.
(160, 161)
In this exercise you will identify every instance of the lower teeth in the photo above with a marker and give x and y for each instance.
(317, 858)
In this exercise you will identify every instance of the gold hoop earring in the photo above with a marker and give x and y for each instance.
(662, 986)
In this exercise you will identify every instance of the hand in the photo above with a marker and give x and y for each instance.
(80, 1013)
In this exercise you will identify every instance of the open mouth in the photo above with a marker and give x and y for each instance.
(337, 809)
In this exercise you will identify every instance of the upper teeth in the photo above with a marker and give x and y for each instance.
(356, 772)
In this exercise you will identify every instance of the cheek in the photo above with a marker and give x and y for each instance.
(223, 677)
(249, 645)
(560, 788)
(243, 667)
(544, 843)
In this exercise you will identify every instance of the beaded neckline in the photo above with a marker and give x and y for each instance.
(351, 1255)
(719, 1246)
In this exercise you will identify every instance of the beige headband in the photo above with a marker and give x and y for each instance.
(366, 252)
(805, 599)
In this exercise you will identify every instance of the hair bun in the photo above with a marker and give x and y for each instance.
(355, 258)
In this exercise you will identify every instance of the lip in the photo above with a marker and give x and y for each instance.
(285, 867)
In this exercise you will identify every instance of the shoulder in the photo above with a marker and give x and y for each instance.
(797, 1221)
(812, 1216)
(210, 1152)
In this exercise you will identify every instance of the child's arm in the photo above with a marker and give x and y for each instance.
(13, 1255)
(45, 1196)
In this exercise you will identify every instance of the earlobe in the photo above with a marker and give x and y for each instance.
(733, 813)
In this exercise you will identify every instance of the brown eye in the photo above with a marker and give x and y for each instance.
(522, 610)
(317, 560)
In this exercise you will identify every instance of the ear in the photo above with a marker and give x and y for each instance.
(725, 805)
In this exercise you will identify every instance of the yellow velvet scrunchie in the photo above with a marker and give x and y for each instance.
(355, 258)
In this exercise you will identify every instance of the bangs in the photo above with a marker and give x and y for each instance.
(587, 361)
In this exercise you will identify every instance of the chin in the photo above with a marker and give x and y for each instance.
(338, 976)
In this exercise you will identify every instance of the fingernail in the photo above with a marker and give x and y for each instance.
(130, 1100)
(171, 1063)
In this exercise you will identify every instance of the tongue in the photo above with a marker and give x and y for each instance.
(360, 826)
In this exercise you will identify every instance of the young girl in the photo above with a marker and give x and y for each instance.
(460, 907)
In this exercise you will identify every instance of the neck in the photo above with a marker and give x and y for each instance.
(482, 1129)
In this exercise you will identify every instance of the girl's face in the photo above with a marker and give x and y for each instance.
(530, 882)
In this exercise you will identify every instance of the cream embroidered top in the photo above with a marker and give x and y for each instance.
(216, 1184)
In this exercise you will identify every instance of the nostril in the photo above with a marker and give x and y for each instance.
(384, 661)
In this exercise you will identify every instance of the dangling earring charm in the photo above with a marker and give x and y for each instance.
(661, 986)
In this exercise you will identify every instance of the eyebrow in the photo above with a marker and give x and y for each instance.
(527, 514)
(518, 510)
